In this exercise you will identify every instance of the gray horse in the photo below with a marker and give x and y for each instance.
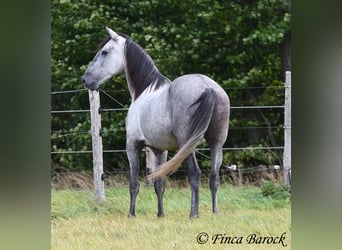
(164, 115)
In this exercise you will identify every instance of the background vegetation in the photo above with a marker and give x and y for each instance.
(242, 44)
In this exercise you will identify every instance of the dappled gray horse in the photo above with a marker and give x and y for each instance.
(164, 115)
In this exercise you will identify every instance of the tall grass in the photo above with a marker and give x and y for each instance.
(77, 222)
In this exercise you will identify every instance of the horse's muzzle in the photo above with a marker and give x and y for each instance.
(91, 86)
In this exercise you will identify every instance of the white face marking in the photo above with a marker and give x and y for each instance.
(108, 62)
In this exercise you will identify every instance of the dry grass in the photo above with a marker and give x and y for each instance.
(84, 181)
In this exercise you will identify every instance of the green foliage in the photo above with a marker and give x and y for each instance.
(278, 192)
(235, 44)
(252, 157)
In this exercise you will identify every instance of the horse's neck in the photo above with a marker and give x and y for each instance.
(141, 72)
(137, 89)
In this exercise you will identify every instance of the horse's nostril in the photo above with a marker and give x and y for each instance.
(83, 80)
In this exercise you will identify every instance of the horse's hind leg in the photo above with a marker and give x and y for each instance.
(214, 182)
(160, 158)
(194, 174)
(133, 158)
(216, 136)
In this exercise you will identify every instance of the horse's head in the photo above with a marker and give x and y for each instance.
(108, 62)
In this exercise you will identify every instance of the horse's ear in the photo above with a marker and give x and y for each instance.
(112, 33)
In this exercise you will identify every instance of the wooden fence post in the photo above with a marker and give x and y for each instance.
(287, 131)
(94, 100)
(240, 177)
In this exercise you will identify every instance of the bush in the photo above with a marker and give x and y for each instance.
(278, 192)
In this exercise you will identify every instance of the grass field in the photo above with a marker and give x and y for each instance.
(245, 216)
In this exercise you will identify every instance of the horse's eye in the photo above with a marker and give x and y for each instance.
(104, 52)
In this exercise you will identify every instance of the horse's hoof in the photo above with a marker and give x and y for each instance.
(131, 216)
(160, 215)
(194, 216)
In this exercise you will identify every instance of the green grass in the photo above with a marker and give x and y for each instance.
(77, 222)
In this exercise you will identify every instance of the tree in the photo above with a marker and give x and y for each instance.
(243, 45)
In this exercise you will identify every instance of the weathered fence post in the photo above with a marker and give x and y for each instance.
(287, 131)
(240, 177)
(94, 100)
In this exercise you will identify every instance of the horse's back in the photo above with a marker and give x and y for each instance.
(190, 87)
(196, 83)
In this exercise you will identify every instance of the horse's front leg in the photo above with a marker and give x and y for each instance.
(133, 157)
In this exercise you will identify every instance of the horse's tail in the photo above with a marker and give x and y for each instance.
(198, 126)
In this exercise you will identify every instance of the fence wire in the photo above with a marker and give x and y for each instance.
(123, 108)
